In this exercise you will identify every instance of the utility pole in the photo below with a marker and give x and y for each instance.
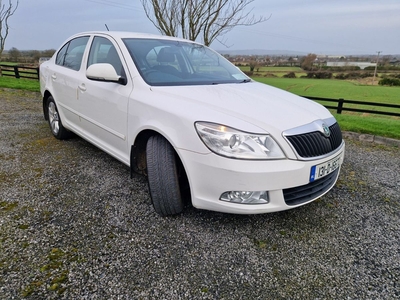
(376, 67)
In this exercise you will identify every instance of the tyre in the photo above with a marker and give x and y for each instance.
(56, 127)
(163, 177)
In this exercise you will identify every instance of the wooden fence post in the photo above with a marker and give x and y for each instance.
(16, 72)
(340, 106)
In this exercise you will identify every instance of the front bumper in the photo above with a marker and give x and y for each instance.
(211, 175)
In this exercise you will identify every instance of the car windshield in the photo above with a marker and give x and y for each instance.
(170, 63)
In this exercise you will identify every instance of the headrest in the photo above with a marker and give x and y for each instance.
(166, 55)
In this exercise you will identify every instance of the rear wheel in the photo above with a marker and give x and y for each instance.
(163, 176)
(56, 127)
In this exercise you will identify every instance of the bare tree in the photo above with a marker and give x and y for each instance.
(14, 54)
(193, 19)
(6, 11)
(253, 64)
(307, 62)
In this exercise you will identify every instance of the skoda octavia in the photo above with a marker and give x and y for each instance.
(193, 123)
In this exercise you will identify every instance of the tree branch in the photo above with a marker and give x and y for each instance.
(207, 18)
(5, 13)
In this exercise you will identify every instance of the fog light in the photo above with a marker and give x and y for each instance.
(246, 197)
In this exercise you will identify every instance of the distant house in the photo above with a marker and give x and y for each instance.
(362, 65)
(395, 62)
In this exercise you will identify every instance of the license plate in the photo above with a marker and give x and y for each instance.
(325, 168)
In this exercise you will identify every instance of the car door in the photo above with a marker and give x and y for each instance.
(65, 77)
(104, 105)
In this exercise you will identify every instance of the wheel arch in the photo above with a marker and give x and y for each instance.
(46, 96)
(138, 153)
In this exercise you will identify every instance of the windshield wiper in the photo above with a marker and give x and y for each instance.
(245, 81)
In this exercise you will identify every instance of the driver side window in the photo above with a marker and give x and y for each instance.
(103, 51)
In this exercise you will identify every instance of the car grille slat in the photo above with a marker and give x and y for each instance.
(313, 144)
(310, 191)
(336, 135)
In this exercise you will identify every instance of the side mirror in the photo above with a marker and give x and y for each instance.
(104, 72)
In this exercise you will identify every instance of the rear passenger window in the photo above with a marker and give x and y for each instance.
(71, 54)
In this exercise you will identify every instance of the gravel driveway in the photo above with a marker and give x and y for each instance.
(73, 225)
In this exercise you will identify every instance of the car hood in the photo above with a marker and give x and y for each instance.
(270, 109)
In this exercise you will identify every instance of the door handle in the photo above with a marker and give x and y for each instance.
(82, 87)
(54, 76)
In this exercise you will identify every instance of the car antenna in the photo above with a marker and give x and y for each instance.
(107, 27)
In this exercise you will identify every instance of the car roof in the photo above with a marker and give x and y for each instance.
(128, 34)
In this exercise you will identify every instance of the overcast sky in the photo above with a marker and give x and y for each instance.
(311, 26)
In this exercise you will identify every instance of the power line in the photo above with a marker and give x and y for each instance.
(115, 4)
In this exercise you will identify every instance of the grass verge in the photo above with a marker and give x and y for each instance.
(379, 126)
(20, 84)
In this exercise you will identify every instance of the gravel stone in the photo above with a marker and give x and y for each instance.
(73, 225)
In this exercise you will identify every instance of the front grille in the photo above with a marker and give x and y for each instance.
(311, 191)
(315, 143)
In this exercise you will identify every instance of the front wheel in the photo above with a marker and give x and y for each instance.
(56, 127)
(163, 176)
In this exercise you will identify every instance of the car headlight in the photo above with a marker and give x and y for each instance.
(233, 143)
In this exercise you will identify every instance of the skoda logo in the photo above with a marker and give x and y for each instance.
(326, 130)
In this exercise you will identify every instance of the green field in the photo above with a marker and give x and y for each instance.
(8, 63)
(331, 88)
(281, 69)
(388, 126)
(274, 71)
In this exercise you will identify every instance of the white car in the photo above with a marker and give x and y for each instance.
(193, 123)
